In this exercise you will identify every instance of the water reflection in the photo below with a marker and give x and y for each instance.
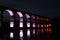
(41, 34)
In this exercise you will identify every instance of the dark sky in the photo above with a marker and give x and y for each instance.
(48, 8)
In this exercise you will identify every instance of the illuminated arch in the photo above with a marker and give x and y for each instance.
(33, 21)
(10, 12)
(20, 14)
(21, 19)
(27, 15)
(11, 17)
(28, 19)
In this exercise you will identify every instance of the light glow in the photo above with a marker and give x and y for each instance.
(49, 25)
(10, 12)
(48, 30)
(33, 24)
(21, 33)
(27, 16)
(34, 31)
(42, 30)
(11, 24)
(28, 24)
(11, 35)
(20, 14)
(41, 25)
(28, 33)
(21, 24)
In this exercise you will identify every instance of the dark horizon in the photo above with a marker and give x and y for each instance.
(43, 8)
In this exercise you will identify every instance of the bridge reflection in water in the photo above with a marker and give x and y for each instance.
(27, 34)
(16, 25)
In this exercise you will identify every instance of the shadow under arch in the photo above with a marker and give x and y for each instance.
(7, 17)
(7, 14)
(20, 19)
(27, 17)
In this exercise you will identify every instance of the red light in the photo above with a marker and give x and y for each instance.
(45, 31)
(37, 17)
(45, 19)
(49, 25)
(41, 18)
(48, 30)
(45, 25)
(34, 25)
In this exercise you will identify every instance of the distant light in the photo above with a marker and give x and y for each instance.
(42, 25)
(49, 24)
(48, 30)
(21, 24)
(10, 12)
(28, 33)
(34, 31)
(11, 35)
(21, 33)
(33, 24)
(28, 24)
(27, 15)
(11, 24)
(20, 14)
(33, 17)
(42, 30)
(37, 17)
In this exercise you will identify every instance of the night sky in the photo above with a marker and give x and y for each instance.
(49, 8)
